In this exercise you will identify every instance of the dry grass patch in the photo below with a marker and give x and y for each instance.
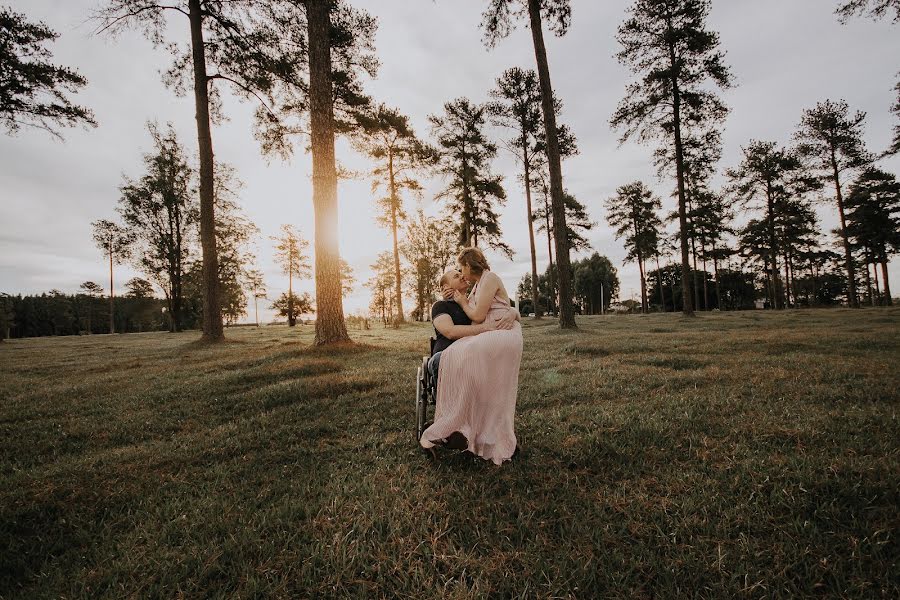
(732, 455)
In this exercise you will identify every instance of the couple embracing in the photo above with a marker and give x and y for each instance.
(476, 360)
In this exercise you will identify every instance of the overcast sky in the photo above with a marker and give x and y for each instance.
(786, 56)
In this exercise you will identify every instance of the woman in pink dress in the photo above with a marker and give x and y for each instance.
(478, 379)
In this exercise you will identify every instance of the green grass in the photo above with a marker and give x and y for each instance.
(740, 455)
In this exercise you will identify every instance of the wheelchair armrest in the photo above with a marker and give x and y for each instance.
(431, 342)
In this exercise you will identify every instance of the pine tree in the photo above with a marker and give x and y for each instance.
(235, 235)
(831, 140)
(798, 231)
(385, 136)
(290, 254)
(33, 91)
(498, 21)
(381, 284)
(7, 315)
(754, 245)
(518, 107)
(231, 43)
(711, 216)
(256, 285)
(895, 144)
(429, 249)
(115, 241)
(873, 219)
(578, 223)
(874, 9)
(290, 305)
(347, 278)
(767, 173)
(632, 212)
(472, 191)
(666, 42)
(330, 325)
(160, 211)
(596, 283)
(92, 291)
(334, 48)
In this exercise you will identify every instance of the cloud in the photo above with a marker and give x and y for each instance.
(786, 56)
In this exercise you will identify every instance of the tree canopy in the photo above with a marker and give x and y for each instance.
(473, 191)
(33, 91)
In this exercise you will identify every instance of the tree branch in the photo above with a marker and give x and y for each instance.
(137, 12)
(245, 88)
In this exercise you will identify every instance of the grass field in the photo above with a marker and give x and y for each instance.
(739, 455)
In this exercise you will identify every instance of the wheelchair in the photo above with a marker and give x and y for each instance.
(426, 393)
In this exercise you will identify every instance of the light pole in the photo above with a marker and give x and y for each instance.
(602, 300)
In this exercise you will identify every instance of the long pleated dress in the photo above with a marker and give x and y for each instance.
(478, 381)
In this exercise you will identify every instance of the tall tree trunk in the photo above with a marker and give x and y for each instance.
(425, 291)
(815, 282)
(566, 311)
(687, 307)
(787, 277)
(662, 297)
(644, 307)
(773, 240)
(213, 328)
(812, 286)
(551, 280)
(705, 286)
(771, 287)
(534, 277)
(467, 229)
(469, 212)
(169, 307)
(640, 259)
(793, 285)
(177, 274)
(887, 285)
(718, 286)
(868, 278)
(852, 300)
(877, 287)
(694, 275)
(330, 326)
(112, 322)
(604, 291)
(292, 320)
(176, 307)
(398, 292)
(420, 293)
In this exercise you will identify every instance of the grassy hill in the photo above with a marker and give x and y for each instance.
(733, 455)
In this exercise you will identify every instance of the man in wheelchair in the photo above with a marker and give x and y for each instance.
(450, 324)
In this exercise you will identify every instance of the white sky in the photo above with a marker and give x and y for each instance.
(785, 55)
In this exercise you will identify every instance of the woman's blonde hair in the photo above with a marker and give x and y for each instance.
(474, 259)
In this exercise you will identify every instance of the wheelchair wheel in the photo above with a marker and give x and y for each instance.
(421, 399)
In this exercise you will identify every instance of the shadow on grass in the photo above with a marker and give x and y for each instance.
(676, 363)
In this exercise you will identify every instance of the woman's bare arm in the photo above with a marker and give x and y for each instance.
(487, 288)
(444, 324)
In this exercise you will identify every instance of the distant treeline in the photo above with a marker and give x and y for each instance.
(728, 288)
(55, 313)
